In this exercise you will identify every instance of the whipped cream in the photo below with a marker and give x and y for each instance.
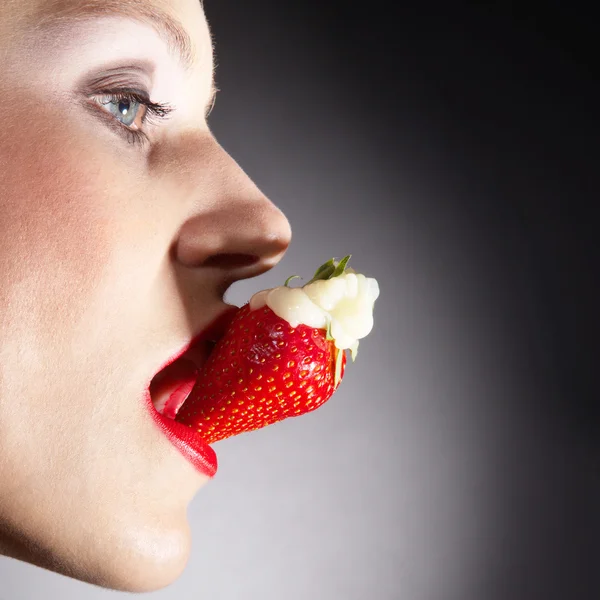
(344, 302)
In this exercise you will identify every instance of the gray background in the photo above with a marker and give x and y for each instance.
(452, 155)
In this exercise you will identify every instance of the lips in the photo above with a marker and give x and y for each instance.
(171, 386)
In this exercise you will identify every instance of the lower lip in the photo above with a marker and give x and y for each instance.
(184, 438)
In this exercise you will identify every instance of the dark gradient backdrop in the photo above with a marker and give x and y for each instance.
(455, 156)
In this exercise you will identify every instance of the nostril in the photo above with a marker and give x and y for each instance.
(231, 261)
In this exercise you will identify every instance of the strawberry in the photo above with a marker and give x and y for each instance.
(283, 354)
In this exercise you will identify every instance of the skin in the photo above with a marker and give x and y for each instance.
(112, 257)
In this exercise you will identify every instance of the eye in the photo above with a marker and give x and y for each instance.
(131, 109)
(127, 110)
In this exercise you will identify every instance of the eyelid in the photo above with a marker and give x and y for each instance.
(139, 75)
(152, 109)
(159, 109)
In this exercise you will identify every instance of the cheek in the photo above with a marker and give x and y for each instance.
(59, 201)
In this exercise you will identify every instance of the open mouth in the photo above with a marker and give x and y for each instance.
(175, 381)
(169, 389)
(172, 385)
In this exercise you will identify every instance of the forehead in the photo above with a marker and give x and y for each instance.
(180, 8)
(181, 23)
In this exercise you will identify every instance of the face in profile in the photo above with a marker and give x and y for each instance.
(122, 223)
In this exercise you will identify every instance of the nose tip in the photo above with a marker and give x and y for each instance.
(242, 238)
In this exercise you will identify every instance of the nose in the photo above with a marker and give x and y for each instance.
(233, 226)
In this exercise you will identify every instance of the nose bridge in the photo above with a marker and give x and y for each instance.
(233, 226)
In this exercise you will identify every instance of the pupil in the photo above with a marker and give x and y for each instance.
(124, 106)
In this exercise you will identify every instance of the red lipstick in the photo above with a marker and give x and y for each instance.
(183, 437)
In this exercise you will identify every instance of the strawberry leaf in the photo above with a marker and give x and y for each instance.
(330, 269)
(287, 281)
(341, 267)
(324, 271)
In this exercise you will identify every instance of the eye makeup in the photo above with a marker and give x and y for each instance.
(127, 88)
(152, 112)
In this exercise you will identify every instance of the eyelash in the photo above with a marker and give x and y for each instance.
(155, 112)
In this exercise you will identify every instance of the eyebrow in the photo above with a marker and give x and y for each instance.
(59, 12)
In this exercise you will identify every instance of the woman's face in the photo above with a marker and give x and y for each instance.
(118, 239)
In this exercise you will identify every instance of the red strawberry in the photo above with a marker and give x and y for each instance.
(264, 370)
(261, 372)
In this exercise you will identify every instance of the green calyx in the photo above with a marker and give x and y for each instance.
(287, 281)
(332, 268)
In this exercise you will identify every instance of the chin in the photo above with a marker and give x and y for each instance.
(145, 565)
(135, 559)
